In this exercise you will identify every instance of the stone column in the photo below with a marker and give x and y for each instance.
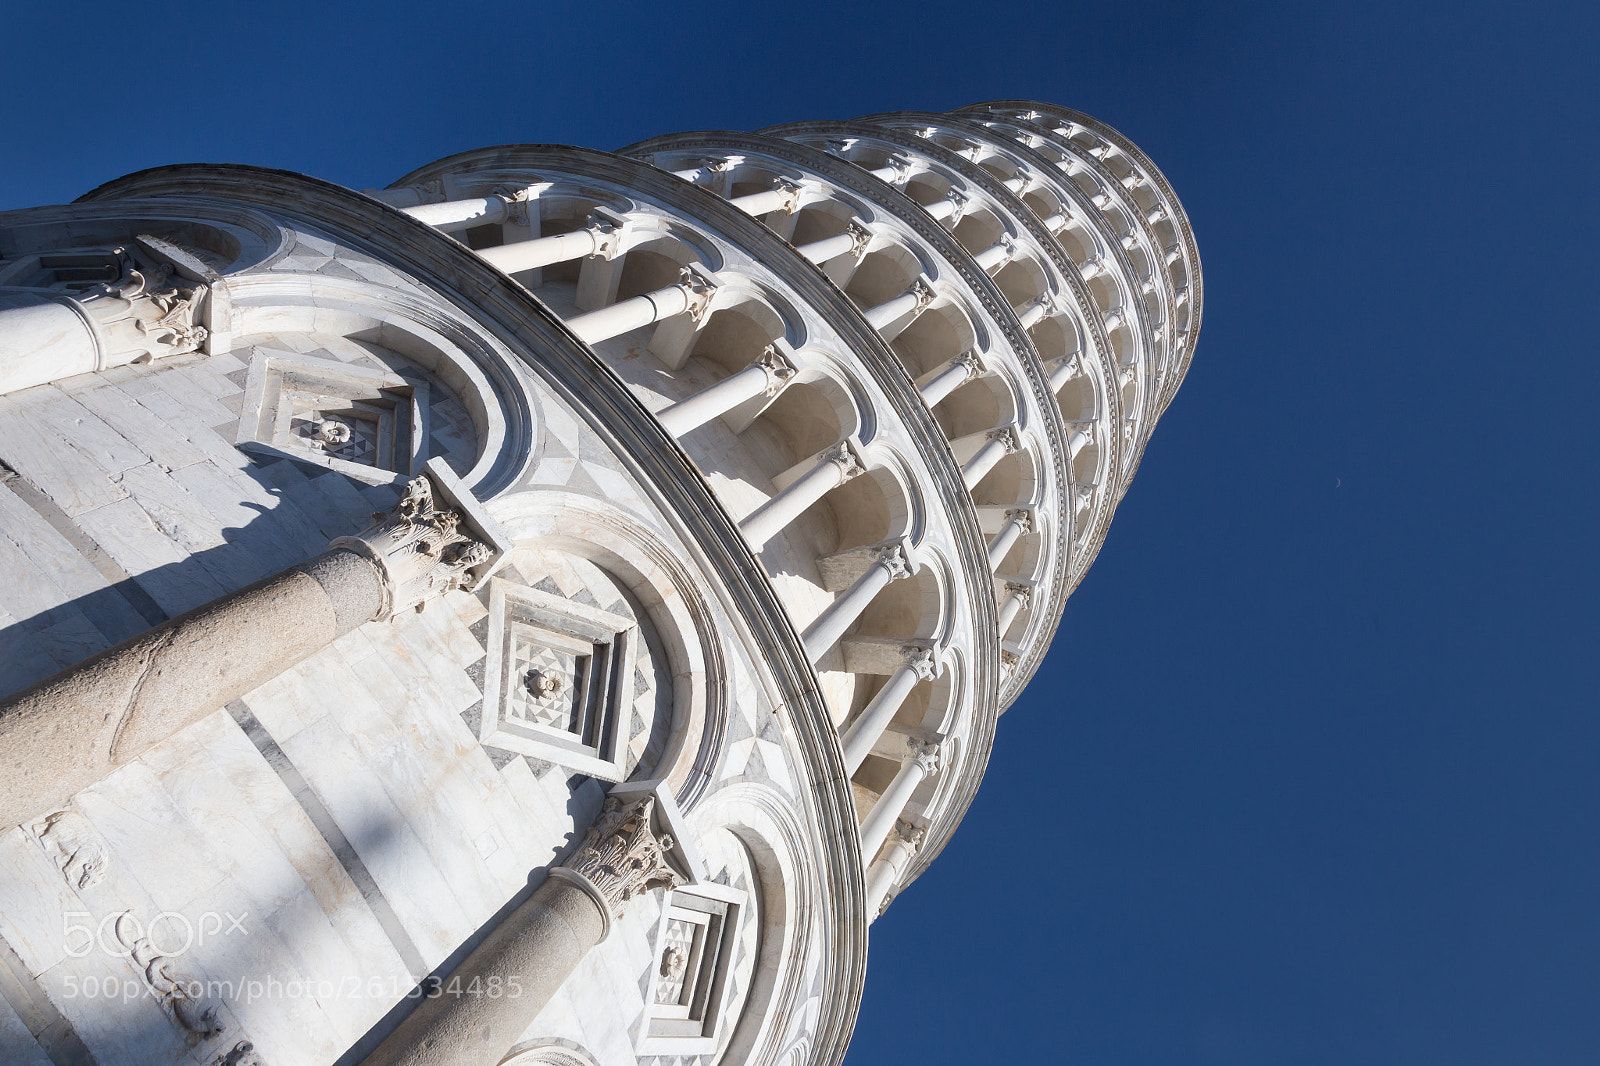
(949, 209)
(968, 366)
(768, 375)
(49, 334)
(1018, 523)
(854, 240)
(625, 854)
(71, 729)
(1031, 315)
(918, 664)
(887, 871)
(453, 215)
(833, 468)
(894, 562)
(1001, 442)
(1017, 597)
(892, 316)
(922, 759)
(783, 196)
(996, 255)
(603, 237)
(1064, 372)
(689, 295)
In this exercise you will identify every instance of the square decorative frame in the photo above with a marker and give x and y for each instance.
(582, 726)
(391, 408)
(702, 922)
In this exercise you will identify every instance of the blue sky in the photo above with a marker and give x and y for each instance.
(1309, 776)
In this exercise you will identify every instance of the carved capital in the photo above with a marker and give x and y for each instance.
(1008, 663)
(141, 311)
(901, 167)
(960, 200)
(791, 198)
(1006, 436)
(1085, 496)
(516, 200)
(898, 560)
(924, 753)
(910, 833)
(847, 457)
(974, 363)
(860, 237)
(921, 660)
(700, 289)
(778, 369)
(420, 548)
(923, 291)
(1113, 318)
(1023, 518)
(623, 855)
(609, 232)
(1017, 591)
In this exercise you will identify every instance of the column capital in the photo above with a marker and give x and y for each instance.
(923, 290)
(860, 237)
(898, 559)
(791, 190)
(924, 753)
(976, 367)
(846, 455)
(165, 318)
(700, 288)
(1023, 517)
(921, 660)
(910, 832)
(1008, 663)
(422, 549)
(623, 854)
(958, 201)
(1006, 436)
(778, 367)
(1020, 591)
(610, 230)
(516, 198)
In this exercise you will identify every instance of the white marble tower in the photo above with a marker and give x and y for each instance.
(545, 610)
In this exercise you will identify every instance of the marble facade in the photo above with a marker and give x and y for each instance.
(542, 611)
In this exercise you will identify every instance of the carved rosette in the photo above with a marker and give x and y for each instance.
(420, 548)
(622, 855)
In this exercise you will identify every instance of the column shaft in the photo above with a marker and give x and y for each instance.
(828, 247)
(765, 521)
(1005, 540)
(691, 412)
(626, 315)
(983, 461)
(875, 718)
(537, 946)
(42, 338)
(1064, 372)
(824, 632)
(1014, 602)
(947, 381)
(71, 729)
(542, 251)
(460, 214)
(892, 802)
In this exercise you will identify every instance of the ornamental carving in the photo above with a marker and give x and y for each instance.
(622, 855)
(1023, 519)
(897, 561)
(421, 549)
(847, 458)
(141, 312)
(778, 368)
(921, 661)
(69, 840)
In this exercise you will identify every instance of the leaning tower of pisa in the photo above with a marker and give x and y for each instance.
(544, 610)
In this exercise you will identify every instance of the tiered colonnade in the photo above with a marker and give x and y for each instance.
(920, 384)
